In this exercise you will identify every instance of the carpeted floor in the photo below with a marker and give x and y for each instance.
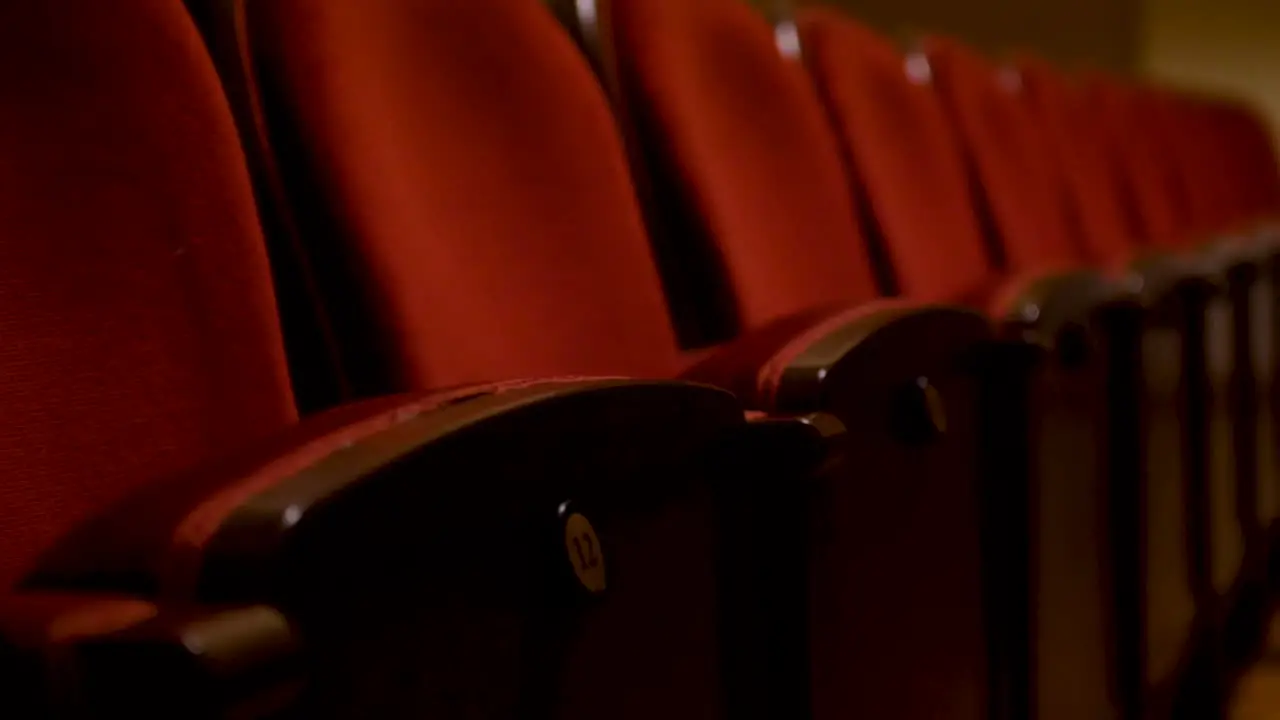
(1257, 696)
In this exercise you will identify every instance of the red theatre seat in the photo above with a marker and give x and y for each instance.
(978, 92)
(1227, 197)
(939, 127)
(1006, 149)
(1235, 346)
(1249, 144)
(1122, 183)
(1097, 201)
(1202, 164)
(913, 164)
(740, 165)
(1075, 627)
(1242, 138)
(455, 166)
(177, 543)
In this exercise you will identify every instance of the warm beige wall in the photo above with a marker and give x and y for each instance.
(1098, 32)
(1231, 45)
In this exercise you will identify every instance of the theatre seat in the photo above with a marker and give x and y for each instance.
(455, 166)
(1105, 221)
(1242, 139)
(176, 542)
(1007, 157)
(1243, 133)
(1104, 119)
(903, 145)
(730, 137)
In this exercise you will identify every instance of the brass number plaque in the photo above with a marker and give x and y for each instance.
(583, 546)
(936, 408)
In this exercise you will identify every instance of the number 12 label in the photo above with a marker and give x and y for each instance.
(583, 547)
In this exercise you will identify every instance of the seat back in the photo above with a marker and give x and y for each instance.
(1133, 127)
(1009, 156)
(137, 302)
(1249, 148)
(1088, 172)
(1072, 670)
(1249, 172)
(1191, 541)
(728, 120)
(462, 194)
(1187, 130)
(900, 149)
(454, 244)
(315, 366)
(737, 138)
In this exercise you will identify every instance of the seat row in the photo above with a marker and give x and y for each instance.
(624, 359)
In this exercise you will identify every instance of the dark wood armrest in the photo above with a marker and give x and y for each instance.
(882, 355)
(453, 523)
(363, 508)
(1059, 312)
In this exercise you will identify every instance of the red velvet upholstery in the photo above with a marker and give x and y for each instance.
(456, 166)
(1253, 154)
(900, 147)
(49, 619)
(1088, 174)
(456, 216)
(742, 135)
(139, 322)
(1009, 155)
(1236, 144)
(1202, 164)
(1131, 122)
